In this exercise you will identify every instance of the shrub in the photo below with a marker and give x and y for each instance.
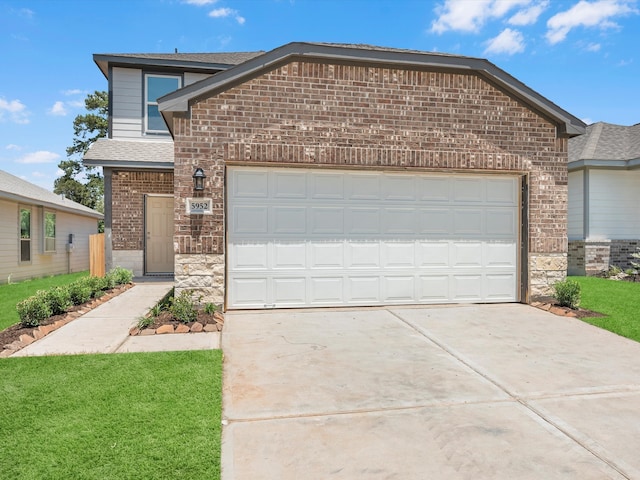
(34, 309)
(79, 292)
(183, 308)
(210, 308)
(58, 299)
(636, 255)
(121, 276)
(568, 293)
(96, 284)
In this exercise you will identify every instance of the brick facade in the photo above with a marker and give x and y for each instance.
(592, 257)
(128, 191)
(357, 116)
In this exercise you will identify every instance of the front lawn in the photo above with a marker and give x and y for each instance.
(13, 293)
(119, 416)
(618, 300)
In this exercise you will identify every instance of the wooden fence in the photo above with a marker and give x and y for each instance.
(96, 255)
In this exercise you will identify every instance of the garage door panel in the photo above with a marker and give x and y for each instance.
(398, 289)
(398, 254)
(363, 255)
(289, 256)
(363, 221)
(327, 290)
(303, 237)
(433, 289)
(363, 289)
(326, 220)
(290, 292)
(250, 220)
(250, 184)
(289, 220)
(435, 221)
(327, 255)
(467, 288)
(288, 185)
(249, 256)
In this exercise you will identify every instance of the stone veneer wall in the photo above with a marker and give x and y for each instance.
(592, 257)
(307, 113)
(202, 274)
(545, 270)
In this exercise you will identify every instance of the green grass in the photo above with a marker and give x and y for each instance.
(13, 293)
(119, 416)
(619, 301)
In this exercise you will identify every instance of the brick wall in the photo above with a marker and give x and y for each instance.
(128, 190)
(592, 257)
(306, 113)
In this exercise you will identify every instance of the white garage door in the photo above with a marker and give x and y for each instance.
(308, 237)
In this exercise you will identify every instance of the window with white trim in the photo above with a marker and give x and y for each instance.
(25, 234)
(156, 86)
(49, 230)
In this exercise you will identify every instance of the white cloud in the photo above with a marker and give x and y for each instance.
(224, 12)
(587, 120)
(72, 91)
(593, 47)
(529, 16)
(16, 110)
(508, 41)
(470, 16)
(58, 109)
(624, 63)
(200, 3)
(41, 156)
(597, 14)
(13, 146)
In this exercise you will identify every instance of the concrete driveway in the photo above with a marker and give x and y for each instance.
(464, 392)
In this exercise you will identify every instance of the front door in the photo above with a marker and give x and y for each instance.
(159, 234)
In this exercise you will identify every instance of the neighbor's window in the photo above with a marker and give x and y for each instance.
(25, 235)
(157, 86)
(49, 232)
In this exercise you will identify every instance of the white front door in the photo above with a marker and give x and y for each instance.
(309, 237)
(159, 234)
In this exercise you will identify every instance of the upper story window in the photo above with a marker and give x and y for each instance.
(155, 87)
(25, 234)
(49, 232)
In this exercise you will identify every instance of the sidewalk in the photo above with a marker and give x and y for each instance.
(105, 329)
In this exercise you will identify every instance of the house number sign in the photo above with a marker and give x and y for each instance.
(202, 206)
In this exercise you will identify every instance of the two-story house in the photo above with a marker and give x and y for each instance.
(137, 156)
(328, 175)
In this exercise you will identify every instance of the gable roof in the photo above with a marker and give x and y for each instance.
(16, 189)
(606, 145)
(111, 152)
(188, 61)
(179, 100)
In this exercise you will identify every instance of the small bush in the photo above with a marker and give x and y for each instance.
(58, 299)
(144, 322)
(96, 284)
(33, 310)
(183, 308)
(568, 293)
(121, 276)
(79, 292)
(210, 308)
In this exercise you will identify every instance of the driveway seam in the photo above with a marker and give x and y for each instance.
(521, 400)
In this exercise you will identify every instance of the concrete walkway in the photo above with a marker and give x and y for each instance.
(467, 392)
(105, 329)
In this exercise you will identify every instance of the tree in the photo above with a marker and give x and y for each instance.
(80, 183)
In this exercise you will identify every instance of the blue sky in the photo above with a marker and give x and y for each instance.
(583, 55)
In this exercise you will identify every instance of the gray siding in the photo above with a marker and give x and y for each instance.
(575, 226)
(190, 78)
(43, 264)
(127, 103)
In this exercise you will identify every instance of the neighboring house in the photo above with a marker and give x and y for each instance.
(335, 175)
(35, 229)
(604, 192)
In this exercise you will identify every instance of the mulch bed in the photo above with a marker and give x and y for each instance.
(551, 305)
(16, 336)
(166, 323)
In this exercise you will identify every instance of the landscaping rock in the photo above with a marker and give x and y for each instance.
(210, 327)
(164, 329)
(148, 331)
(134, 331)
(219, 317)
(182, 328)
(26, 339)
(197, 327)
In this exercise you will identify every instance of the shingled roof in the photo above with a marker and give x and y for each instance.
(606, 145)
(189, 61)
(16, 189)
(130, 153)
(179, 101)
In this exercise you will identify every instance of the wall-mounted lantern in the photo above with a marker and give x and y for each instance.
(198, 179)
